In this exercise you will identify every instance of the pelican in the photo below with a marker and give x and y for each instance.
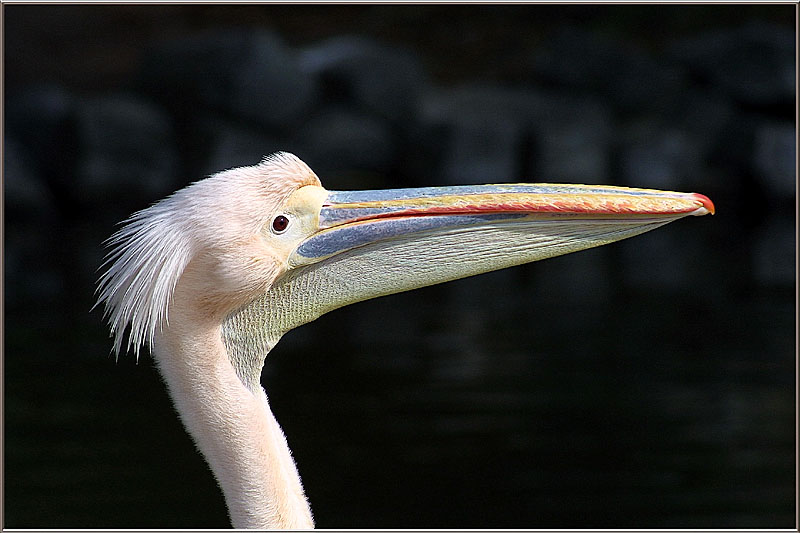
(210, 278)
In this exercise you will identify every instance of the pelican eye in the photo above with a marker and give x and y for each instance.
(279, 224)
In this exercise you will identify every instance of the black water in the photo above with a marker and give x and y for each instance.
(470, 404)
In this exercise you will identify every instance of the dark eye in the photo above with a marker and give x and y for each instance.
(280, 223)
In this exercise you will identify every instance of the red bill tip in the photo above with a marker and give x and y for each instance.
(705, 201)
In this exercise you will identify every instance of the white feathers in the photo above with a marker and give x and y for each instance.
(153, 248)
(149, 254)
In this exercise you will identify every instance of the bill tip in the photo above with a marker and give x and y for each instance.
(705, 201)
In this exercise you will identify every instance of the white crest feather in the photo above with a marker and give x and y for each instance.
(148, 257)
(151, 251)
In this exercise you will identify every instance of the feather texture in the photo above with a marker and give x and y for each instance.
(154, 246)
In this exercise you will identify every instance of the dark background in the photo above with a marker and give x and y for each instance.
(646, 384)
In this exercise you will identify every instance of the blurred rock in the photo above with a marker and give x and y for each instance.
(420, 154)
(30, 270)
(127, 146)
(41, 118)
(269, 85)
(658, 155)
(250, 74)
(620, 72)
(775, 158)
(26, 196)
(573, 140)
(362, 73)
(774, 252)
(497, 134)
(341, 139)
(704, 115)
(755, 63)
(733, 151)
(33, 277)
(37, 113)
(483, 152)
(223, 144)
(484, 128)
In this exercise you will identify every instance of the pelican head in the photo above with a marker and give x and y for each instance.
(236, 260)
(265, 249)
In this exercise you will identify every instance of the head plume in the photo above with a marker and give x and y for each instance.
(153, 248)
